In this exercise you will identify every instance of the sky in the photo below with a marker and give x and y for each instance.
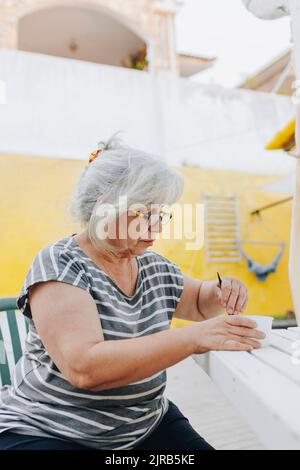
(225, 29)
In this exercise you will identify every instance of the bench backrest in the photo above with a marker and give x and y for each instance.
(13, 331)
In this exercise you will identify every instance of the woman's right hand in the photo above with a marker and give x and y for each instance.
(226, 333)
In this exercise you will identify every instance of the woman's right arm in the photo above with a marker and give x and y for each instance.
(69, 326)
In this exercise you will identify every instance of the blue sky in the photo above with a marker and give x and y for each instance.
(225, 29)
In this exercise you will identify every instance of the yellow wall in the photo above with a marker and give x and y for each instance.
(272, 297)
(34, 196)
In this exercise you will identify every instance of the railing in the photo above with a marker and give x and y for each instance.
(13, 331)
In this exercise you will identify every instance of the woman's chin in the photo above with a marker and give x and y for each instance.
(142, 247)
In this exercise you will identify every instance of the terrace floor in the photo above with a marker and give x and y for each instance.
(209, 412)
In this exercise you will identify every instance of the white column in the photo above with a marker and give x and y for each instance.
(166, 11)
(172, 52)
(295, 234)
(8, 31)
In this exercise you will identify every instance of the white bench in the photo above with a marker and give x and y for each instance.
(264, 386)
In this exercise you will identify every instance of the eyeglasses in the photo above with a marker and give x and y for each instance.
(153, 219)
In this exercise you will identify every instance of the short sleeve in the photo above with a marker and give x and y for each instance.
(177, 282)
(52, 264)
(171, 279)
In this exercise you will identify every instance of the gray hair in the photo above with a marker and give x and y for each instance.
(123, 171)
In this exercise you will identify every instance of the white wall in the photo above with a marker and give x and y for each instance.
(60, 107)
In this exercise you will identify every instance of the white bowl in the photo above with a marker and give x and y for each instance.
(264, 324)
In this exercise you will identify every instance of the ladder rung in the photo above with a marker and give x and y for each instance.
(220, 212)
(213, 216)
(215, 236)
(222, 241)
(220, 204)
(222, 228)
(223, 253)
(227, 249)
(224, 260)
(213, 208)
(221, 222)
(223, 218)
(231, 198)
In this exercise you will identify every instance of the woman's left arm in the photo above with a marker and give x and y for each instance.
(202, 300)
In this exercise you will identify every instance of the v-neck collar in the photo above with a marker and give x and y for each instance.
(139, 276)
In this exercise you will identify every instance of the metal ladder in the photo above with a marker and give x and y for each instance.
(222, 229)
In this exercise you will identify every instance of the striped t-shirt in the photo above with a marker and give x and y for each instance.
(42, 402)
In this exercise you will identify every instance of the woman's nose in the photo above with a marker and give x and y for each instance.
(156, 227)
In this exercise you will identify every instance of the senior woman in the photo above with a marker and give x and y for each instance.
(93, 373)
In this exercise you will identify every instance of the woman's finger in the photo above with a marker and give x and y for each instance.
(246, 332)
(219, 295)
(233, 345)
(245, 304)
(245, 341)
(238, 320)
(253, 343)
(231, 303)
(241, 299)
(226, 290)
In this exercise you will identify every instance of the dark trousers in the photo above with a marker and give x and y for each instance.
(173, 433)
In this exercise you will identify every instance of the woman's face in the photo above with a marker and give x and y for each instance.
(135, 233)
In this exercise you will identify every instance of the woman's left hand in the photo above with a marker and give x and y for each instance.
(232, 295)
